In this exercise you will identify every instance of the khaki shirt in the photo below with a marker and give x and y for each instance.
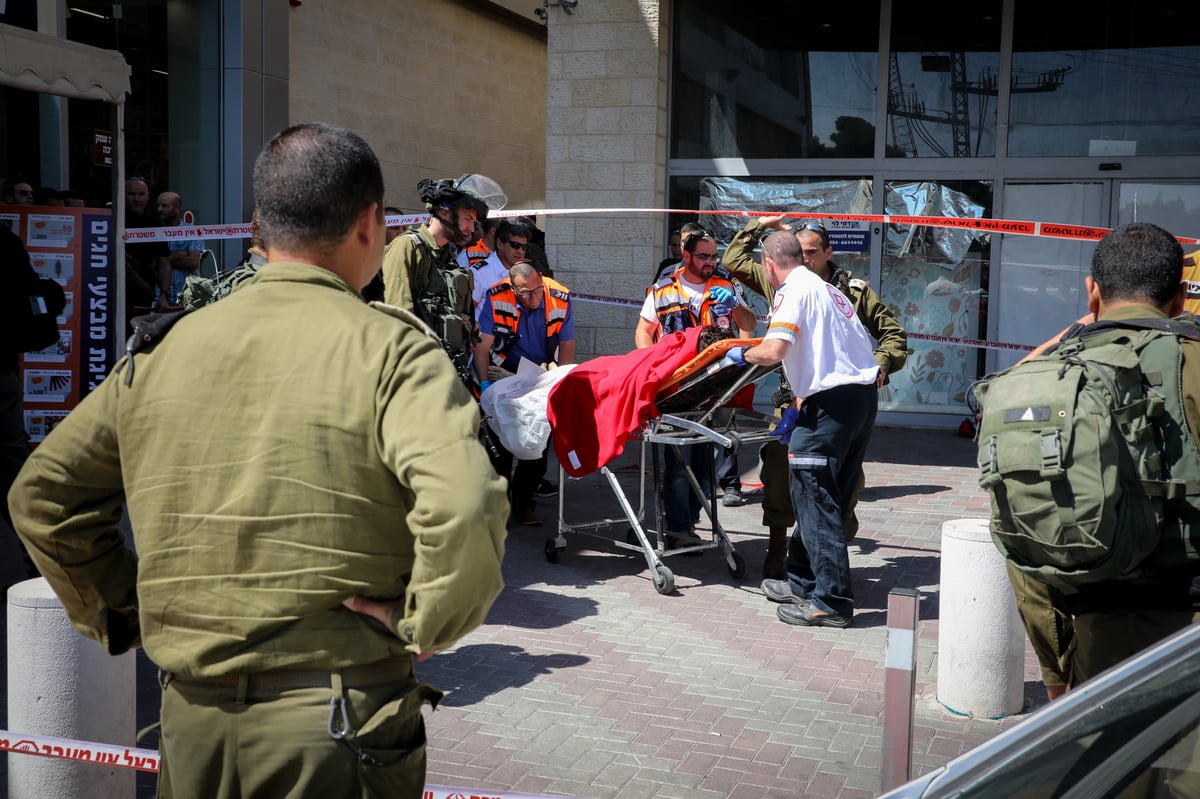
(891, 350)
(279, 451)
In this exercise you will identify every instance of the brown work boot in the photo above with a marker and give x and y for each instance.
(775, 564)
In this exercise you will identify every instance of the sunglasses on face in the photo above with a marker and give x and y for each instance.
(516, 245)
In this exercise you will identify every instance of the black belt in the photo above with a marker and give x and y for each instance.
(368, 675)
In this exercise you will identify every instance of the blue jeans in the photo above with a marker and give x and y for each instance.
(825, 454)
(680, 504)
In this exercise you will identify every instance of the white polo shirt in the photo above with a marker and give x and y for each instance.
(830, 347)
(487, 274)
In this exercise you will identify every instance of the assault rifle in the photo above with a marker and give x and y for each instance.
(462, 367)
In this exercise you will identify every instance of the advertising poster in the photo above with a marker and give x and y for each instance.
(76, 248)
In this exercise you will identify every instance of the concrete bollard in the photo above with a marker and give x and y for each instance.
(981, 643)
(65, 685)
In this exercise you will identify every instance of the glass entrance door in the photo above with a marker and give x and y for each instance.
(1039, 285)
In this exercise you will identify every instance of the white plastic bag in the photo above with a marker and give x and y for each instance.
(516, 407)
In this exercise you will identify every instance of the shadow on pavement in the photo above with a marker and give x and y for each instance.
(472, 673)
(872, 493)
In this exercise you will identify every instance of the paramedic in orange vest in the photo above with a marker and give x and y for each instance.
(698, 293)
(527, 317)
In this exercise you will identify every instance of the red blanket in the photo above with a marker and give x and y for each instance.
(600, 402)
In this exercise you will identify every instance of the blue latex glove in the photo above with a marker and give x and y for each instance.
(735, 355)
(484, 386)
(787, 423)
(721, 295)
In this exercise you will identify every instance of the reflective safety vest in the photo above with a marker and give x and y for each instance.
(674, 311)
(506, 316)
(477, 253)
(1191, 276)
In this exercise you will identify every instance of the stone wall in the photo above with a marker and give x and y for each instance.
(437, 89)
(606, 123)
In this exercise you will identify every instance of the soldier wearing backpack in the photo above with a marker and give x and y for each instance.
(1091, 452)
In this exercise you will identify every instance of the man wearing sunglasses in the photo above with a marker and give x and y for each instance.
(891, 352)
(512, 240)
(697, 294)
(523, 317)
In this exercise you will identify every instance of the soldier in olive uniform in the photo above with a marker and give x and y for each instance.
(303, 536)
(421, 272)
(891, 352)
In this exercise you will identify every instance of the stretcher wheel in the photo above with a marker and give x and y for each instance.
(664, 581)
(551, 551)
(738, 570)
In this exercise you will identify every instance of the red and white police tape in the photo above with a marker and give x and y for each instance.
(1019, 227)
(82, 751)
(977, 343)
(147, 760)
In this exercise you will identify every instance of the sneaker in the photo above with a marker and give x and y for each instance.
(545, 489)
(528, 518)
(808, 616)
(781, 591)
(732, 498)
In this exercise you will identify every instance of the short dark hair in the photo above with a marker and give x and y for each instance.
(808, 226)
(310, 183)
(784, 250)
(688, 228)
(1138, 261)
(697, 237)
(509, 228)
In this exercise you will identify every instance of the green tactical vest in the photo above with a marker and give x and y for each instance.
(444, 302)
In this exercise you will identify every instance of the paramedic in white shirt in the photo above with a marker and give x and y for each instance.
(829, 360)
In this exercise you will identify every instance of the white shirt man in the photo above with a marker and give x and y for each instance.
(830, 362)
(511, 240)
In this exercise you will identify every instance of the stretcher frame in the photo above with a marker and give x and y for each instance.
(689, 413)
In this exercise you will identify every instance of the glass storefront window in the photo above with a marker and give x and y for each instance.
(172, 119)
(1104, 81)
(936, 280)
(942, 103)
(774, 81)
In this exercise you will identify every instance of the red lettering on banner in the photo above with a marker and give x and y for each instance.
(1073, 231)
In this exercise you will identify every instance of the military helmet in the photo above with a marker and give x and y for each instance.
(471, 191)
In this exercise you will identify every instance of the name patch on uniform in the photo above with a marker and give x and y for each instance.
(1041, 413)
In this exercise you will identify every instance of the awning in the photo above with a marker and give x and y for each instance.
(49, 65)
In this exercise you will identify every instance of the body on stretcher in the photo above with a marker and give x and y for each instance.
(693, 408)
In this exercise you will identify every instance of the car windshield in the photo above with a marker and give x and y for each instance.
(1139, 743)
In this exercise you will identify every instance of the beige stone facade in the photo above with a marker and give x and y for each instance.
(437, 89)
(606, 147)
(574, 116)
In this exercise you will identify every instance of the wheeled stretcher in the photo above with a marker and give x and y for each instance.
(693, 409)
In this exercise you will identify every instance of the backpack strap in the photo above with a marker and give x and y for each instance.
(1184, 328)
(148, 330)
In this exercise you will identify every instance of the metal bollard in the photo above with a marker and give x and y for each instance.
(64, 685)
(981, 643)
(899, 686)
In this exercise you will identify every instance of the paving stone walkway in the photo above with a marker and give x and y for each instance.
(586, 682)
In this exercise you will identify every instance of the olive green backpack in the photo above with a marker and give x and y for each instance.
(1091, 468)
